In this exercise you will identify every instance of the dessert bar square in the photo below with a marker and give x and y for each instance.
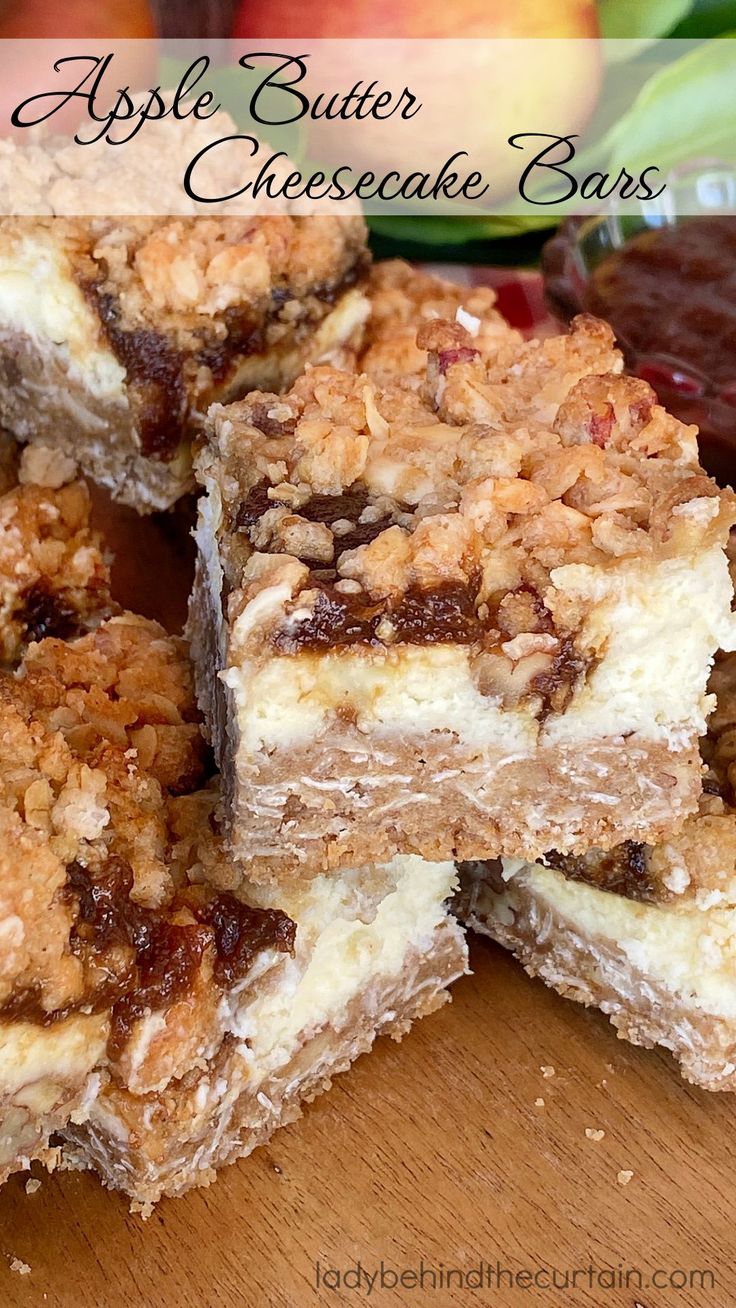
(160, 1015)
(645, 933)
(459, 619)
(116, 334)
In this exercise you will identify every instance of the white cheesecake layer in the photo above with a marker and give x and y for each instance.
(653, 629)
(354, 934)
(688, 950)
(412, 690)
(657, 629)
(35, 1060)
(40, 299)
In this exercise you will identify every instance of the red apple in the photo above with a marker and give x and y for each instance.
(75, 28)
(474, 97)
(365, 18)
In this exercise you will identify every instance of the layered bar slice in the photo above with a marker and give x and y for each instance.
(54, 576)
(158, 1014)
(645, 933)
(461, 620)
(116, 333)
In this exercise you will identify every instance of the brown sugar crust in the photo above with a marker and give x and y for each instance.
(40, 1101)
(41, 400)
(295, 814)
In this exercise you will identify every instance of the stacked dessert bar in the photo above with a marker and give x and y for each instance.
(162, 1012)
(162, 1008)
(457, 598)
(644, 932)
(477, 616)
(474, 612)
(116, 334)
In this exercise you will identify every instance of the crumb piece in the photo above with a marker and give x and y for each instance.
(624, 1177)
(17, 1265)
(52, 1158)
(32, 1185)
(539, 1103)
(42, 466)
(140, 1209)
(278, 1170)
(594, 1135)
(547, 1072)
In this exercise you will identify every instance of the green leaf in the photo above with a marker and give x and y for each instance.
(641, 20)
(708, 18)
(457, 231)
(682, 112)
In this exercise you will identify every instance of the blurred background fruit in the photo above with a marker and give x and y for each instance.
(500, 237)
(71, 26)
(415, 18)
(506, 87)
(93, 18)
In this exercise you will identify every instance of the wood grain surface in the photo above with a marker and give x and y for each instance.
(429, 1157)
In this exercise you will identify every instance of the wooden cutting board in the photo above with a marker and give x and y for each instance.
(451, 1149)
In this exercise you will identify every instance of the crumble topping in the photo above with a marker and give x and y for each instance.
(54, 579)
(45, 174)
(98, 910)
(185, 277)
(401, 298)
(381, 514)
(181, 301)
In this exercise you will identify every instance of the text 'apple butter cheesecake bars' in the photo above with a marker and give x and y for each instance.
(458, 598)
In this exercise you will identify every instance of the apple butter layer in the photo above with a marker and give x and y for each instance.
(462, 619)
(157, 1013)
(646, 933)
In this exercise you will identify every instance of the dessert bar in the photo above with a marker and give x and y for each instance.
(645, 933)
(117, 332)
(156, 1013)
(462, 618)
